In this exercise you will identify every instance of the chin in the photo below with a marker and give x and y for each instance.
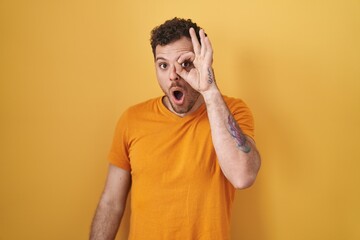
(185, 108)
(181, 110)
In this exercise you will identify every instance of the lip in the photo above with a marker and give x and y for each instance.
(174, 100)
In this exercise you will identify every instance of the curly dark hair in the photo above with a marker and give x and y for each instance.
(172, 30)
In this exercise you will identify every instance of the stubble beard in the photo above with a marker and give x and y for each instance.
(187, 107)
(191, 98)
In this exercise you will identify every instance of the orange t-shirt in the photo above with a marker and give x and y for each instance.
(178, 189)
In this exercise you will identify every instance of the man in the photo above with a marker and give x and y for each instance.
(182, 154)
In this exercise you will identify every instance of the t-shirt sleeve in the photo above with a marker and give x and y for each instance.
(119, 152)
(244, 117)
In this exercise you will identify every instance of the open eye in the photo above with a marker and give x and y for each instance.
(186, 64)
(163, 65)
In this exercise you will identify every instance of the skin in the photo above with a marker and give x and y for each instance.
(185, 66)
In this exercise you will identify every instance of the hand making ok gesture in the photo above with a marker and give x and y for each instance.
(201, 75)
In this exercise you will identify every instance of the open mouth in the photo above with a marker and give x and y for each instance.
(178, 97)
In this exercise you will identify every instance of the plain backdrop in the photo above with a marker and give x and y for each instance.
(69, 68)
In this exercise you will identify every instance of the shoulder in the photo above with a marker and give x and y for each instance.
(137, 114)
(235, 104)
(143, 108)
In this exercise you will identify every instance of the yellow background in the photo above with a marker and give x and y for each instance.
(69, 68)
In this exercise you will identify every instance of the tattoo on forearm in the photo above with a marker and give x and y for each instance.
(211, 77)
(238, 135)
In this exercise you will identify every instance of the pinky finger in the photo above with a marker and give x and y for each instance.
(202, 40)
(209, 49)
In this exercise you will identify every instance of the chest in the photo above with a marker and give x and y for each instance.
(172, 151)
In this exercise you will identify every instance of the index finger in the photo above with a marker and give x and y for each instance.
(195, 41)
(189, 56)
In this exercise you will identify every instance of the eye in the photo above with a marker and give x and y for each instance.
(186, 64)
(163, 65)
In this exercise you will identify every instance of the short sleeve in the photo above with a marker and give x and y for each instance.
(119, 152)
(243, 116)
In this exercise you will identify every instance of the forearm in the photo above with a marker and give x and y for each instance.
(237, 154)
(106, 221)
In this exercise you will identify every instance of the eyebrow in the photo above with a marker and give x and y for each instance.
(160, 58)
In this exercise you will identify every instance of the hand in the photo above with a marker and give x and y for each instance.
(201, 75)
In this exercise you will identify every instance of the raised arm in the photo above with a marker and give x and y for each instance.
(238, 157)
(112, 204)
(237, 153)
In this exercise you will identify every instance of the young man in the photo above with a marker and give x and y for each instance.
(184, 153)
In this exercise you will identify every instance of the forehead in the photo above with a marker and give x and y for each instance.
(174, 49)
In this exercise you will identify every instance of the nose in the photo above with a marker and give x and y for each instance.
(173, 75)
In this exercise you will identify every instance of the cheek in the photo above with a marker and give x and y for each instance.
(159, 74)
(189, 88)
(161, 78)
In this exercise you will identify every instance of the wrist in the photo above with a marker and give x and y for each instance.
(211, 93)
